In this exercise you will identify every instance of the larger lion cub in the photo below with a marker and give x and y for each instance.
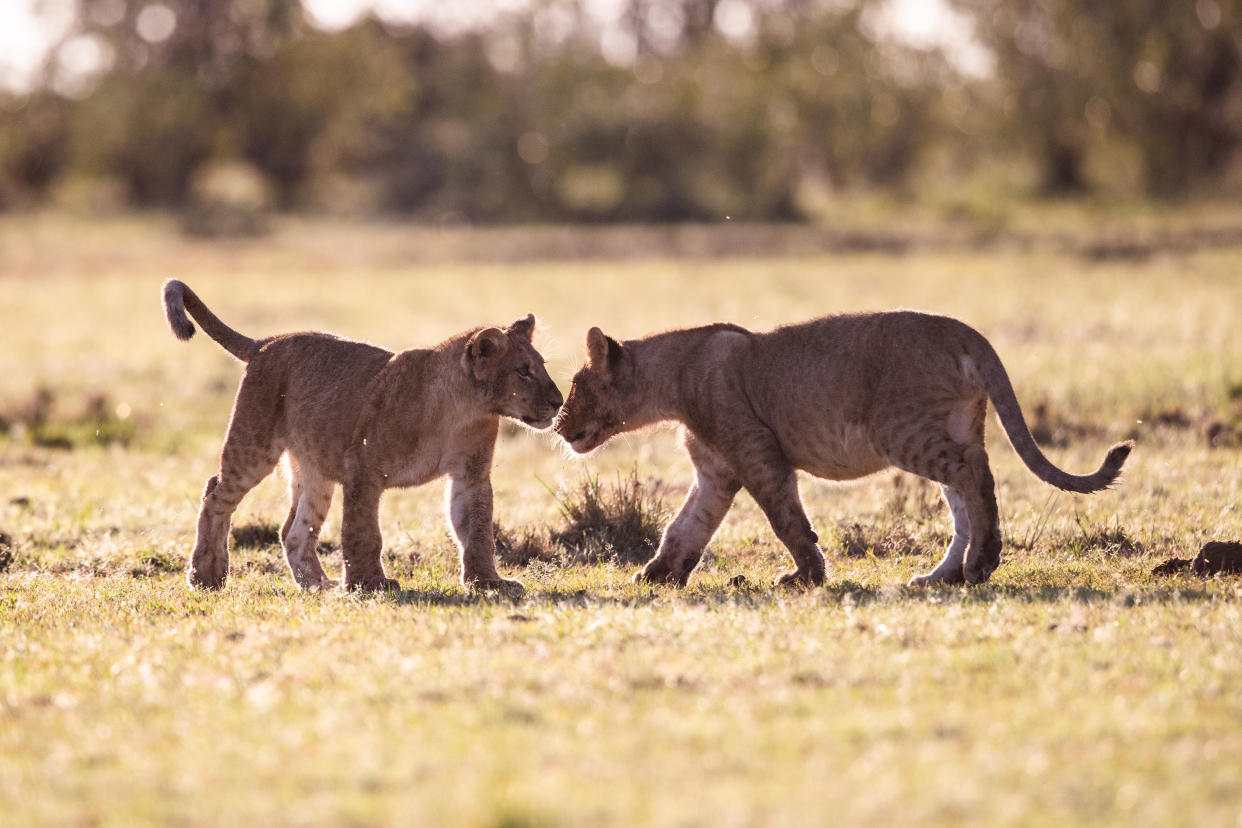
(838, 397)
(351, 413)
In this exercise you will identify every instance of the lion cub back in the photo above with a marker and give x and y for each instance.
(315, 384)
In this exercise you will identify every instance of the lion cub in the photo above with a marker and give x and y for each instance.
(351, 413)
(838, 397)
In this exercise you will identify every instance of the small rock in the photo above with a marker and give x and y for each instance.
(1218, 556)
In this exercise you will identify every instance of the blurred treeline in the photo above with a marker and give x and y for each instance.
(677, 110)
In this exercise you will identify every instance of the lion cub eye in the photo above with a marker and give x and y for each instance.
(525, 373)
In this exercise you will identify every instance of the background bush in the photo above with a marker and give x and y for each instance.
(533, 118)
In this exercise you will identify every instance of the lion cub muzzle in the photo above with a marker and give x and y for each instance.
(552, 407)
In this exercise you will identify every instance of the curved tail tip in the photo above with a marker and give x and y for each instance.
(1114, 460)
(174, 309)
(182, 328)
(1117, 454)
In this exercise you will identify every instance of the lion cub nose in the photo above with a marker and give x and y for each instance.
(556, 400)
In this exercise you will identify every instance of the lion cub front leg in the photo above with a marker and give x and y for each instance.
(361, 540)
(470, 513)
(709, 500)
(769, 478)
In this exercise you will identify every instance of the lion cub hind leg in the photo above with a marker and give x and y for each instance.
(683, 542)
(311, 494)
(983, 553)
(244, 462)
(949, 570)
(964, 468)
(209, 562)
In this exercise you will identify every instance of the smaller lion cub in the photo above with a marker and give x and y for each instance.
(351, 413)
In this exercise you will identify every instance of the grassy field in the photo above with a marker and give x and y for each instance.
(1074, 687)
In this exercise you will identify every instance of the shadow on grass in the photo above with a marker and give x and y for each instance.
(1192, 591)
(841, 593)
(457, 597)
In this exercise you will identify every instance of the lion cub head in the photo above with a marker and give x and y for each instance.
(602, 395)
(511, 374)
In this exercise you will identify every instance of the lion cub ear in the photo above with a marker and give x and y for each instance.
(524, 327)
(484, 350)
(603, 351)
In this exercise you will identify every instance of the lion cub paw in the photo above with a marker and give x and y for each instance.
(936, 577)
(660, 575)
(975, 575)
(376, 583)
(207, 573)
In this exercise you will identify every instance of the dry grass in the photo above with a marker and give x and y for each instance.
(1075, 687)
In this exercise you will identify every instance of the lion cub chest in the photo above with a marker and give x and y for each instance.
(423, 452)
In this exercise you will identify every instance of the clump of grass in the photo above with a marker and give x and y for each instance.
(523, 546)
(905, 525)
(617, 523)
(1105, 538)
(1221, 434)
(620, 523)
(1051, 428)
(98, 423)
(255, 535)
(155, 563)
(1225, 430)
(6, 551)
(261, 534)
(913, 497)
(888, 539)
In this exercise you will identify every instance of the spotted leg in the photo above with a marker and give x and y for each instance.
(311, 494)
(470, 513)
(361, 540)
(682, 545)
(769, 477)
(949, 570)
(249, 454)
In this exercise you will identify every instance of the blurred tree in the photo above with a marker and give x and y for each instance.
(1164, 77)
(319, 102)
(679, 110)
(172, 98)
(34, 144)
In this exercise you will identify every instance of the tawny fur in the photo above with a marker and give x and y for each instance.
(351, 413)
(839, 397)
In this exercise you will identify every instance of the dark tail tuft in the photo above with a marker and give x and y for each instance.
(174, 309)
(1116, 458)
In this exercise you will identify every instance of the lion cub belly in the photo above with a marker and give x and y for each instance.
(413, 472)
(835, 451)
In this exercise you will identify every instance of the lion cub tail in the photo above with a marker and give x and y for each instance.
(996, 381)
(180, 300)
